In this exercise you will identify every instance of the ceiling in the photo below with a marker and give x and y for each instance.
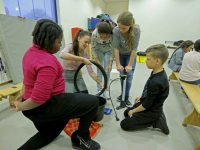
(113, 1)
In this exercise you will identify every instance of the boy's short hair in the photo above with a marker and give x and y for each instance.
(158, 51)
(197, 45)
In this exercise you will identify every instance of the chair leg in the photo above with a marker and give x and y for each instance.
(192, 119)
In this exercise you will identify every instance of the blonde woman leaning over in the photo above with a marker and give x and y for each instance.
(126, 38)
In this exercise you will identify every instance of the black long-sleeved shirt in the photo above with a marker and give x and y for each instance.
(155, 92)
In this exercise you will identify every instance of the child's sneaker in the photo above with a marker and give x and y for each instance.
(162, 124)
(106, 94)
(84, 143)
(127, 102)
(119, 98)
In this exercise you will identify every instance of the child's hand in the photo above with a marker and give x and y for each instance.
(109, 68)
(16, 104)
(130, 112)
(128, 68)
(102, 85)
(137, 99)
(120, 68)
(19, 98)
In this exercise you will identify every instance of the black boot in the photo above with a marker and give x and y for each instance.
(164, 116)
(119, 98)
(162, 124)
(127, 102)
(84, 143)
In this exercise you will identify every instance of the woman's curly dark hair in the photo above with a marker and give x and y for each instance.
(45, 33)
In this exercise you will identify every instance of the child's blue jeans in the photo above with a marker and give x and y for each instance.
(124, 61)
(104, 58)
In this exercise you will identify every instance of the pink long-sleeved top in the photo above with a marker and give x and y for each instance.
(42, 75)
(71, 64)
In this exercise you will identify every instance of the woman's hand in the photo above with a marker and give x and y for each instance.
(120, 68)
(109, 68)
(137, 99)
(102, 85)
(86, 61)
(128, 68)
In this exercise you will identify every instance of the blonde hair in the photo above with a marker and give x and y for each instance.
(126, 18)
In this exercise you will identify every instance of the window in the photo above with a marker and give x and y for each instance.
(31, 9)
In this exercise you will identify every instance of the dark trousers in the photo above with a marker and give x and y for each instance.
(138, 120)
(86, 92)
(51, 118)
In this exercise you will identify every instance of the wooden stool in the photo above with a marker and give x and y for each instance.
(12, 92)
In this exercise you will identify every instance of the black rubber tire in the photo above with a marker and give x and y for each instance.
(102, 71)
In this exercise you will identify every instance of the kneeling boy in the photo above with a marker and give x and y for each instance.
(148, 108)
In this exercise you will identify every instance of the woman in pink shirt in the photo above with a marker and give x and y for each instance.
(73, 55)
(43, 100)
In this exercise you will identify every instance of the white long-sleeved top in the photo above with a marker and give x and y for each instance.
(190, 70)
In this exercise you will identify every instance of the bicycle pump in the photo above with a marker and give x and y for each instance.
(122, 103)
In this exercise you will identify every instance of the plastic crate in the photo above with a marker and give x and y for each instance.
(141, 58)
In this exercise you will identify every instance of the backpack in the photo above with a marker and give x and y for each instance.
(178, 43)
(101, 16)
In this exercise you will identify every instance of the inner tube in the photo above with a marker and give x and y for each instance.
(102, 71)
